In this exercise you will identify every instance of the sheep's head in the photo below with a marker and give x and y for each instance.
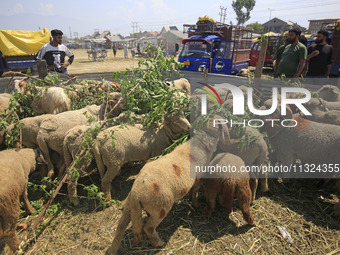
(329, 93)
(277, 114)
(315, 105)
(177, 124)
(21, 86)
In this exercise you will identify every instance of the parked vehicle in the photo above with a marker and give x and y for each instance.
(216, 47)
(19, 48)
(255, 52)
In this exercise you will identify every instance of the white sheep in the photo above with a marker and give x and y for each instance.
(329, 93)
(133, 144)
(53, 130)
(309, 141)
(162, 182)
(180, 84)
(15, 166)
(4, 102)
(320, 112)
(30, 129)
(51, 100)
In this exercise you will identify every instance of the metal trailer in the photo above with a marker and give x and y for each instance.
(216, 47)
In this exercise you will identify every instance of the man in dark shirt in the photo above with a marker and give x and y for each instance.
(54, 53)
(320, 57)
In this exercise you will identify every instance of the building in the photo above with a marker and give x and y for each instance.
(316, 25)
(277, 25)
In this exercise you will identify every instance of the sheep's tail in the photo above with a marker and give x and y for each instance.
(122, 225)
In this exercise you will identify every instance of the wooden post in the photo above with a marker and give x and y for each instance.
(260, 62)
(42, 68)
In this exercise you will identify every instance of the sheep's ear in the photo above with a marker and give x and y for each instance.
(335, 91)
(225, 136)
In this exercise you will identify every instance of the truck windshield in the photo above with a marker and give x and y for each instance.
(196, 49)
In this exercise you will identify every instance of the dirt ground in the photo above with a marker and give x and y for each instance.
(82, 64)
(302, 208)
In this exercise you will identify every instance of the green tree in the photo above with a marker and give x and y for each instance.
(242, 9)
(258, 28)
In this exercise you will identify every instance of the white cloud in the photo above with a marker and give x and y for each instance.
(140, 5)
(160, 9)
(46, 9)
(17, 8)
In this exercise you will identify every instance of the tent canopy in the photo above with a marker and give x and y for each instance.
(17, 43)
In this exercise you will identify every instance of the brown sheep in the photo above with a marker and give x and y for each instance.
(162, 182)
(226, 186)
(15, 166)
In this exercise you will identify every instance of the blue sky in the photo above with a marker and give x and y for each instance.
(85, 16)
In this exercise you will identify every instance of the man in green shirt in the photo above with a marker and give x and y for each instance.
(293, 57)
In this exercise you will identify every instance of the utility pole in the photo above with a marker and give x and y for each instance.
(134, 27)
(223, 13)
(270, 17)
(70, 32)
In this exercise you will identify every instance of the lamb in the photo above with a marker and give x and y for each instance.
(72, 144)
(254, 154)
(53, 129)
(322, 140)
(4, 102)
(320, 112)
(162, 182)
(51, 100)
(329, 93)
(30, 130)
(133, 144)
(228, 185)
(15, 166)
(180, 84)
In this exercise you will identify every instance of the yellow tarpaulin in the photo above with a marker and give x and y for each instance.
(14, 42)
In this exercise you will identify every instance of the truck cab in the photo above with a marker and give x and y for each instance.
(216, 47)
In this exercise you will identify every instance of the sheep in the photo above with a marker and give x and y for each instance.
(331, 105)
(256, 153)
(180, 84)
(133, 144)
(329, 93)
(162, 182)
(72, 144)
(244, 73)
(290, 143)
(228, 185)
(51, 100)
(4, 102)
(15, 166)
(320, 112)
(53, 129)
(30, 129)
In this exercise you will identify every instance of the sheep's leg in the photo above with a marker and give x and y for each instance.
(110, 174)
(122, 225)
(44, 149)
(12, 240)
(29, 209)
(72, 190)
(211, 190)
(136, 219)
(264, 184)
(150, 229)
(253, 186)
(193, 194)
(244, 196)
(228, 194)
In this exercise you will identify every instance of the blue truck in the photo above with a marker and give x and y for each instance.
(216, 47)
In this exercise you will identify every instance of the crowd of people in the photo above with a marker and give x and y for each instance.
(293, 58)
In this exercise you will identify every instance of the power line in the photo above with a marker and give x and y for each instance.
(223, 13)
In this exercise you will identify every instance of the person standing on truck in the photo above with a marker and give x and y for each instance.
(293, 57)
(320, 57)
(54, 53)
